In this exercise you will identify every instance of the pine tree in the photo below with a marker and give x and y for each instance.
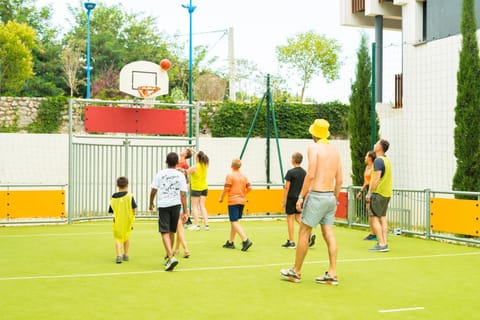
(359, 116)
(467, 110)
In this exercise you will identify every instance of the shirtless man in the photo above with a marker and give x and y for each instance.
(322, 183)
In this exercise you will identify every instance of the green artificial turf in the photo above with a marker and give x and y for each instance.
(68, 272)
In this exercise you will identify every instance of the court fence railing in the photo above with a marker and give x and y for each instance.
(410, 213)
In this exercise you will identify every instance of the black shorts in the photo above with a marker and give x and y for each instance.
(168, 219)
(199, 193)
(291, 206)
(378, 205)
(235, 212)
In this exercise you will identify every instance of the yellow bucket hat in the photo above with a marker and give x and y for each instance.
(319, 129)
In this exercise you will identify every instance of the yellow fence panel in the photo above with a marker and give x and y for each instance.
(455, 216)
(259, 201)
(3, 205)
(32, 204)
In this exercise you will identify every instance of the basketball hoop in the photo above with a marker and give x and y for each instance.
(147, 91)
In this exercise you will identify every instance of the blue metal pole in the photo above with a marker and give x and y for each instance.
(190, 9)
(373, 114)
(89, 6)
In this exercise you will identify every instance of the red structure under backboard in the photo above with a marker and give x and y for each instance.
(135, 120)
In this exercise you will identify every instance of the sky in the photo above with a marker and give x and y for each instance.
(259, 26)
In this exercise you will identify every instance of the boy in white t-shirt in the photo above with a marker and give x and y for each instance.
(170, 186)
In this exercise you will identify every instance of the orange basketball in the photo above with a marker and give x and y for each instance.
(165, 64)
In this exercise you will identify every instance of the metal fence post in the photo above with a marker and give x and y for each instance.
(126, 143)
(351, 199)
(70, 163)
(427, 213)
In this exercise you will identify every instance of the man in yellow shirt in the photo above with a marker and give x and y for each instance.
(379, 193)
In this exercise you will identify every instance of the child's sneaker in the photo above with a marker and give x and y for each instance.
(125, 257)
(289, 244)
(194, 227)
(327, 279)
(119, 259)
(290, 275)
(205, 227)
(229, 245)
(246, 244)
(311, 241)
(171, 264)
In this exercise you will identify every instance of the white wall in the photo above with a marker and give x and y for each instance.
(421, 134)
(42, 159)
(33, 159)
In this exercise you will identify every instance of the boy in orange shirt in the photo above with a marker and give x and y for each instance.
(237, 187)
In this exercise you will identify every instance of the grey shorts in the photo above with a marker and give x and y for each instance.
(378, 205)
(319, 208)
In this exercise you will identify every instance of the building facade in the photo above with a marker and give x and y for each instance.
(421, 132)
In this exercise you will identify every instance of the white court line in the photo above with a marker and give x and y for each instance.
(401, 309)
(74, 234)
(411, 257)
(108, 274)
(46, 235)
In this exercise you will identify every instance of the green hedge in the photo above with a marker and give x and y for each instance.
(293, 119)
(49, 118)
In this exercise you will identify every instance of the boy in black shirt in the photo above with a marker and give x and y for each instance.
(293, 185)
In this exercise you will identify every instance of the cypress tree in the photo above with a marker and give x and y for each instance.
(359, 115)
(467, 110)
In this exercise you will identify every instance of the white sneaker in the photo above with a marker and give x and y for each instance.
(171, 264)
(206, 228)
(194, 227)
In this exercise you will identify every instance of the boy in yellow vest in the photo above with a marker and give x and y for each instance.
(122, 205)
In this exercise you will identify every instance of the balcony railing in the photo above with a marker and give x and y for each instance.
(398, 90)
(358, 6)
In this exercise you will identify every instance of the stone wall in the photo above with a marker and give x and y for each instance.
(18, 111)
(21, 111)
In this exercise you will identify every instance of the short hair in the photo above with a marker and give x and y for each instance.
(385, 144)
(122, 182)
(172, 159)
(236, 163)
(372, 155)
(297, 157)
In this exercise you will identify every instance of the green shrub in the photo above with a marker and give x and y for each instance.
(49, 118)
(292, 119)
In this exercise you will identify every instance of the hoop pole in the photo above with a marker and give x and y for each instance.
(191, 9)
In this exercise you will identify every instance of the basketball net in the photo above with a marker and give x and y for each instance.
(146, 92)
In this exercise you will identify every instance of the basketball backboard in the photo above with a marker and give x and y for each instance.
(143, 74)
